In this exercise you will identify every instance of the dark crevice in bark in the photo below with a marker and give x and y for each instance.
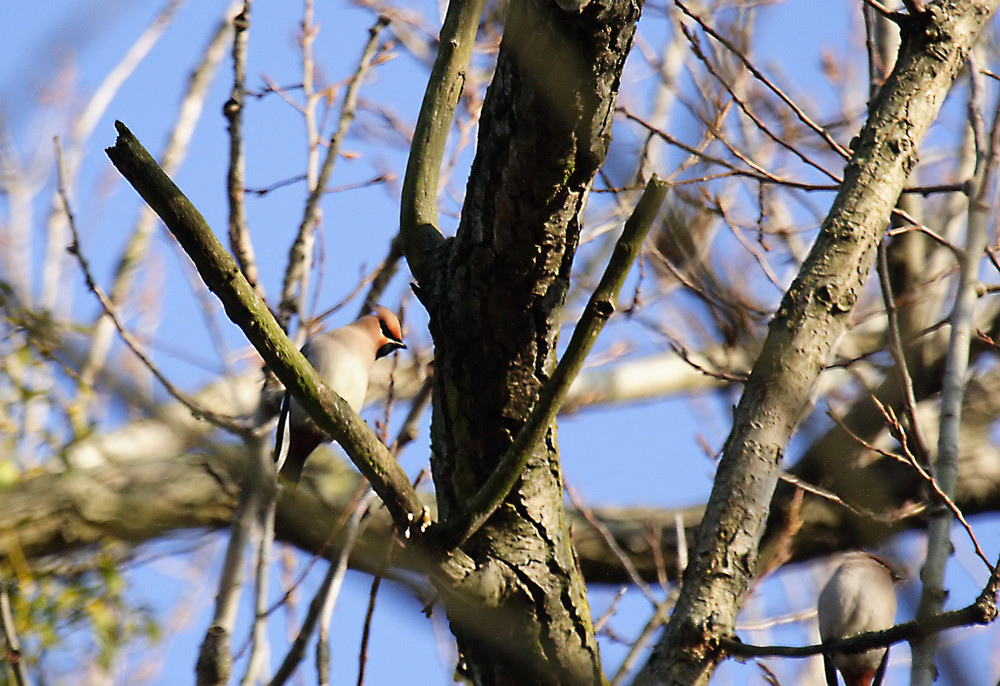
(544, 131)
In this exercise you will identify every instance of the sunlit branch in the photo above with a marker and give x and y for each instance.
(418, 218)
(239, 236)
(244, 307)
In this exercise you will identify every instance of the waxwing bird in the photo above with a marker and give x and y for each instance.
(859, 597)
(342, 357)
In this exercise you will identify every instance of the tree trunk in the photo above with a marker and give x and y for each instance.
(812, 317)
(495, 307)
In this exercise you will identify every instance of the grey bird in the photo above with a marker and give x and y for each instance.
(859, 597)
(343, 358)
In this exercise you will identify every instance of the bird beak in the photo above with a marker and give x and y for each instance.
(389, 348)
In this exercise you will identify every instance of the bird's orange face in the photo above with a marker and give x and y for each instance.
(392, 334)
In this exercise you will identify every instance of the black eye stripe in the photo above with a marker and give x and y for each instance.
(386, 331)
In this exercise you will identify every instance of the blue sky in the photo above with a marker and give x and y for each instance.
(51, 61)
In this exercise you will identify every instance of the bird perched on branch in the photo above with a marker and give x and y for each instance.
(342, 357)
(859, 597)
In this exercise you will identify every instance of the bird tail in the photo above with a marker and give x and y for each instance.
(281, 441)
(290, 474)
(292, 445)
(289, 468)
(301, 444)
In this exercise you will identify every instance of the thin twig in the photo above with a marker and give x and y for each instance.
(266, 508)
(327, 594)
(981, 612)
(609, 539)
(913, 225)
(731, 377)
(612, 609)
(295, 274)
(874, 58)
(239, 236)
(320, 553)
(231, 424)
(745, 108)
(366, 631)
(762, 176)
(754, 252)
(354, 526)
(137, 248)
(899, 355)
(383, 274)
(421, 401)
(802, 116)
(14, 657)
(863, 512)
(909, 459)
(638, 647)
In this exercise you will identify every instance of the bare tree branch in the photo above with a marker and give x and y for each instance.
(809, 322)
(222, 275)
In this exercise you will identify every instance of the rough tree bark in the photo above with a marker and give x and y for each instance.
(494, 300)
(811, 318)
(495, 294)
